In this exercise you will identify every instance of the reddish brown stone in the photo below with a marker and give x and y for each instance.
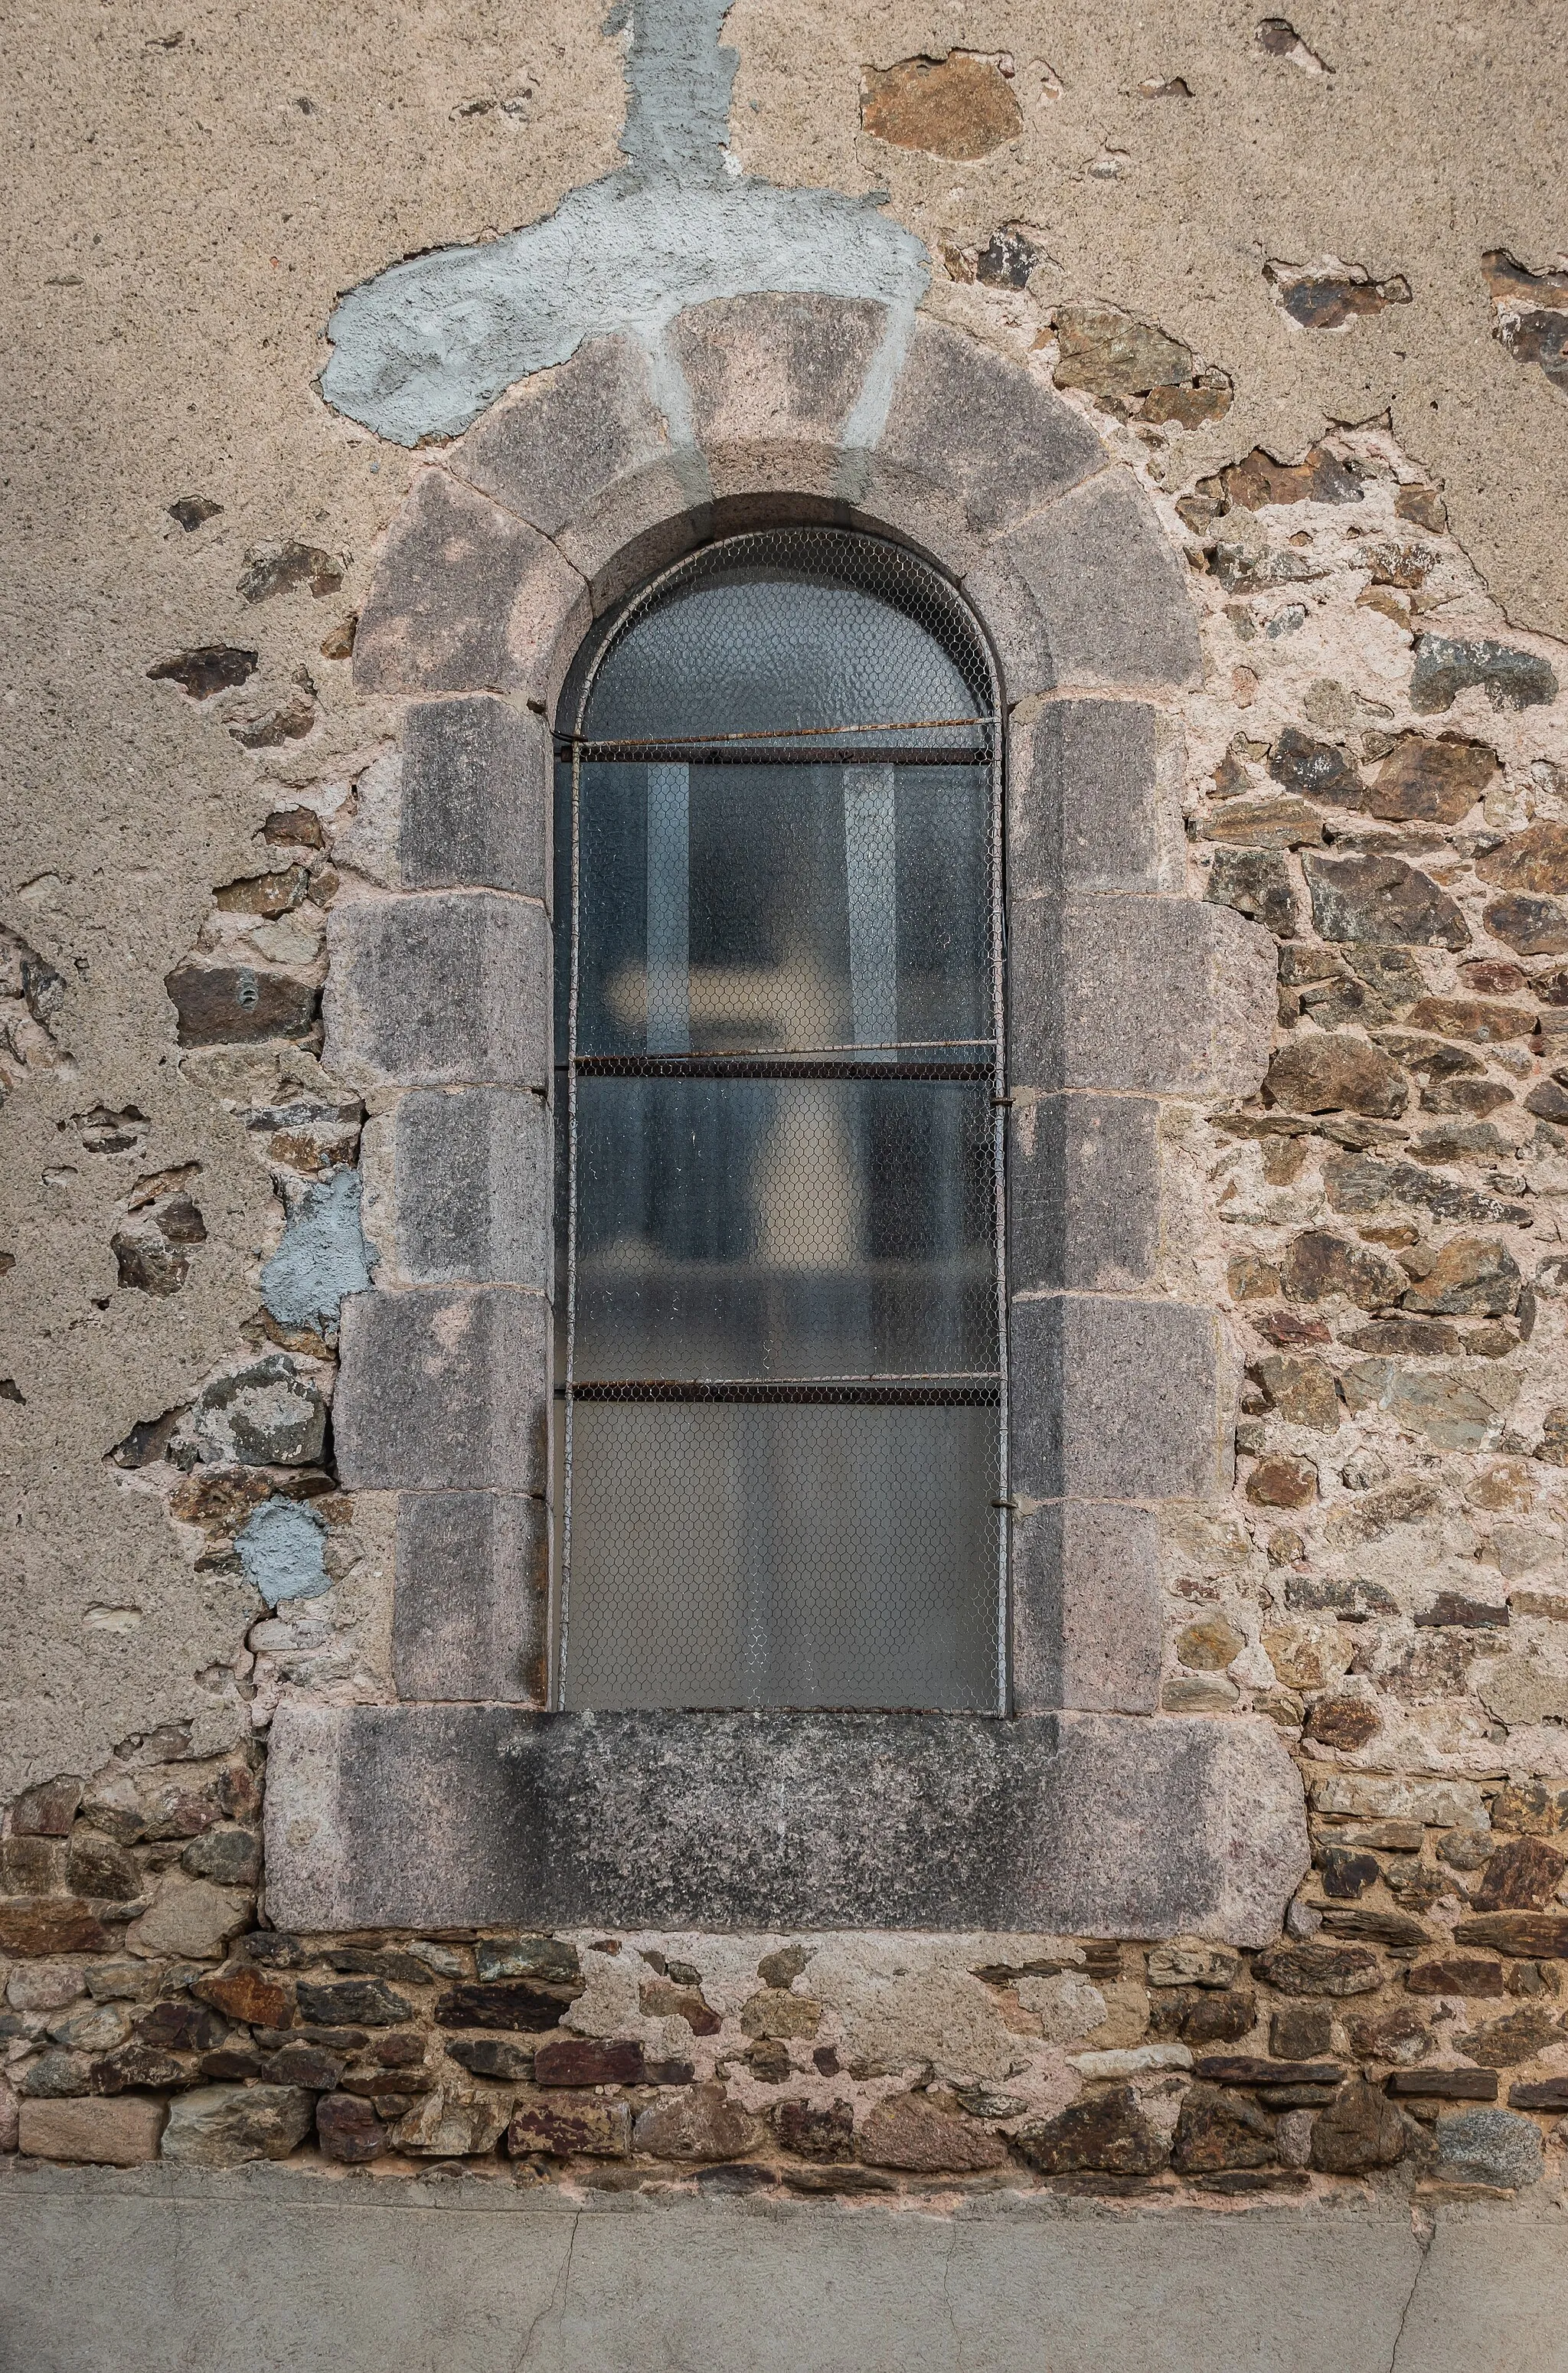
(1455, 1975)
(181, 2026)
(46, 1810)
(1532, 1935)
(1334, 1970)
(1509, 2043)
(915, 2132)
(1397, 2034)
(1551, 2094)
(1526, 1808)
(1319, 1266)
(348, 2129)
(1344, 1723)
(517, 2004)
(305, 2065)
(141, 2068)
(661, 1998)
(1443, 2085)
(1105, 2132)
(1522, 1876)
(584, 2059)
(702, 2124)
(1283, 1481)
(1220, 2128)
(1481, 1020)
(238, 1004)
(580, 2127)
(1422, 781)
(1535, 859)
(1326, 1070)
(244, 1994)
(1534, 927)
(36, 1924)
(960, 106)
(1258, 481)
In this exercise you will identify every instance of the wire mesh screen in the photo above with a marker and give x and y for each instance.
(780, 1004)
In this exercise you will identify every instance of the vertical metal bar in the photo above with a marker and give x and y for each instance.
(999, 1161)
(668, 970)
(870, 868)
(563, 1617)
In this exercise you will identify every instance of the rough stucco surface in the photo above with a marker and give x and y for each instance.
(196, 206)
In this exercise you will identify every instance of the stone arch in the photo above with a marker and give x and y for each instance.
(1124, 992)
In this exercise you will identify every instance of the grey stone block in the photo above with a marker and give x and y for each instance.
(1086, 811)
(439, 1816)
(440, 988)
(773, 381)
(466, 597)
(1141, 995)
(1113, 1399)
(1110, 587)
(988, 429)
(477, 797)
(1013, 620)
(474, 1170)
(552, 449)
(1083, 1193)
(443, 1391)
(1088, 1614)
(470, 1616)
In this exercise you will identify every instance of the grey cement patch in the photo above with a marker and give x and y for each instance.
(426, 347)
(322, 1256)
(280, 1548)
(102, 2269)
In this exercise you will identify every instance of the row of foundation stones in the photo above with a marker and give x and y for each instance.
(302, 2046)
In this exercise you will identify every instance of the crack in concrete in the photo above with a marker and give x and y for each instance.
(947, 2296)
(427, 344)
(559, 2292)
(1424, 2247)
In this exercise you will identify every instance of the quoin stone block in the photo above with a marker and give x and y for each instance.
(443, 1390)
(1088, 1614)
(440, 989)
(470, 1609)
(1089, 809)
(473, 1173)
(1115, 1399)
(477, 797)
(1109, 586)
(1083, 1192)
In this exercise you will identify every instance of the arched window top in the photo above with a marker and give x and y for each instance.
(795, 631)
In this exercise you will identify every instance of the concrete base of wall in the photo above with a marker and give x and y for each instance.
(263, 2270)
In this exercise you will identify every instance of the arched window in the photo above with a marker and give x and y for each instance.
(779, 1051)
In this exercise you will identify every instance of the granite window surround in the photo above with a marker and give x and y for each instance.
(467, 1803)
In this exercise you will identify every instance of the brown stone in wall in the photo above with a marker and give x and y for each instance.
(1360, 2131)
(702, 2124)
(814, 2133)
(1533, 927)
(1106, 2133)
(585, 2060)
(1343, 1723)
(92, 2132)
(46, 1810)
(1333, 1970)
(348, 2129)
(1509, 2043)
(1326, 1071)
(961, 106)
(582, 2127)
(1422, 781)
(1455, 1975)
(920, 2135)
(1281, 1480)
(1319, 1266)
(33, 1925)
(1535, 859)
(246, 1994)
(1382, 899)
(1258, 481)
(240, 1004)
(1532, 1935)
(1220, 2128)
(510, 2002)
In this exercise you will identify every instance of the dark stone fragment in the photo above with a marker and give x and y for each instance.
(1432, 782)
(303, 2064)
(192, 511)
(814, 2134)
(1332, 1072)
(46, 1810)
(1299, 2034)
(846, 2180)
(1220, 2017)
(176, 2025)
(274, 1948)
(35, 1867)
(1319, 1970)
(294, 828)
(1533, 1936)
(228, 1857)
(1449, 1609)
(1361, 2129)
(1454, 1975)
(1535, 859)
(492, 2055)
(780, 1968)
(1298, 2096)
(1258, 481)
(1526, 1808)
(514, 2003)
(1396, 1928)
(209, 669)
(1347, 1874)
(1382, 899)
(1399, 1337)
(1315, 769)
(1105, 2131)
(222, 1005)
(1345, 1723)
(1352, 1602)
(1238, 2182)
(1551, 2094)
(1522, 1876)
(1507, 2042)
(348, 2129)
(1007, 259)
(359, 2002)
(280, 567)
(398, 2047)
(1257, 883)
(1219, 2128)
(397, 1969)
(1532, 927)
(1397, 2034)
(728, 2181)
(1510, 678)
(231, 2063)
(141, 2068)
(680, 2072)
(546, 1958)
(1249, 2073)
(585, 2060)
(1547, 1101)
(770, 2062)
(1444, 2084)
(1317, 1265)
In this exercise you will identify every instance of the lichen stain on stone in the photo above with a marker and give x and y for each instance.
(280, 1548)
(323, 1255)
(425, 347)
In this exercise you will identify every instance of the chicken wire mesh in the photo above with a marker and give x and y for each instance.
(777, 847)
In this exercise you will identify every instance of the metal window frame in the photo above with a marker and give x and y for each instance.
(723, 751)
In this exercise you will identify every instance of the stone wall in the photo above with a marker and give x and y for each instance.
(1374, 768)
